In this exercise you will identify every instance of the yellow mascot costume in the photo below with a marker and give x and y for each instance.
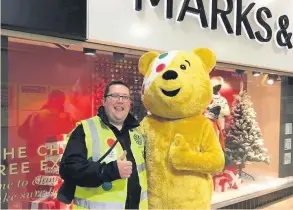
(182, 149)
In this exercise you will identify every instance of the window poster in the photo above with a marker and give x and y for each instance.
(31, 98)
(35, 149)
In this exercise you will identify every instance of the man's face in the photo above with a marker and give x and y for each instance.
(117, 104)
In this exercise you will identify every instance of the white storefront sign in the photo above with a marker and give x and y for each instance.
(260, 37)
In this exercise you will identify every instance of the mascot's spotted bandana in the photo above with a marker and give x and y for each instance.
(182, 149)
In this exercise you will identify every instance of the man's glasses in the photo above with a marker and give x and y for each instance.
(117, 97)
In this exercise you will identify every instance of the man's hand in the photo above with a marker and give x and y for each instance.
(124, 166)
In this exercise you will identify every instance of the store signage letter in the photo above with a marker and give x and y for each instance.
(282, 37)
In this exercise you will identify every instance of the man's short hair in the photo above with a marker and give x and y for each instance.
(115, 82)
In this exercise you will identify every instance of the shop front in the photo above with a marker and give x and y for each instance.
(51, 79)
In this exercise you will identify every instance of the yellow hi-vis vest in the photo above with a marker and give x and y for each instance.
(99, 138)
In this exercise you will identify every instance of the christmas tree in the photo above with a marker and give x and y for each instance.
(244, 141)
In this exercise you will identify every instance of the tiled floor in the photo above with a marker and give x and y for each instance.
(286, 204)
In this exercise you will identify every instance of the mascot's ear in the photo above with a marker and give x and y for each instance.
(145, 61)
(207, 56)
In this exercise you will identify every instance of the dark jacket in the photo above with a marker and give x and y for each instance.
(75, 169)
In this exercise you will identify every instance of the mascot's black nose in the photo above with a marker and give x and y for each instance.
(170, 74)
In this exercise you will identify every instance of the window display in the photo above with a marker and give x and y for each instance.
(251, 139)
(244, 133)
(49, 89)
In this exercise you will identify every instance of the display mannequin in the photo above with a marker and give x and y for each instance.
(218, 109)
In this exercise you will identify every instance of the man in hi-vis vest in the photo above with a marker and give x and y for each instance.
(117, 180)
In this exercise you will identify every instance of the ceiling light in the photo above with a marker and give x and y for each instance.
(271, 79)
(256, 74)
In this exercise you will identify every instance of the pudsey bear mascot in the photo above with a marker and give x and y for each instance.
(182, 149)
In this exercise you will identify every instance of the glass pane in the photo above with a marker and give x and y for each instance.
(47, 88)
(246, 113)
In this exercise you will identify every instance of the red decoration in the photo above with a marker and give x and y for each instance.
(46, 203)
(220, 183)
(160, 67)
(110, 142)
(229, 178)
(41, 203)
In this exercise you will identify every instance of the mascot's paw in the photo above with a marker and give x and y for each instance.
(179, 152)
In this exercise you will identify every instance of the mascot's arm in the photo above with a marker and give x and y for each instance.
(141, 128)
(209, 160)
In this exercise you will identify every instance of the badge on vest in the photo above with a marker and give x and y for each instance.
(112, 156)
(107, 186)
(138, 139)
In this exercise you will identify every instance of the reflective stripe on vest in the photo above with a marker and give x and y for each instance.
(144, 195)
(97, 205)
(95, 140)
(104, 205)
(140, 168)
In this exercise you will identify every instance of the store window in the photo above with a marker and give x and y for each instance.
(46, 88)
(248, 111)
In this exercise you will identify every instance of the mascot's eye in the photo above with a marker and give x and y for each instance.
(183, 67)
